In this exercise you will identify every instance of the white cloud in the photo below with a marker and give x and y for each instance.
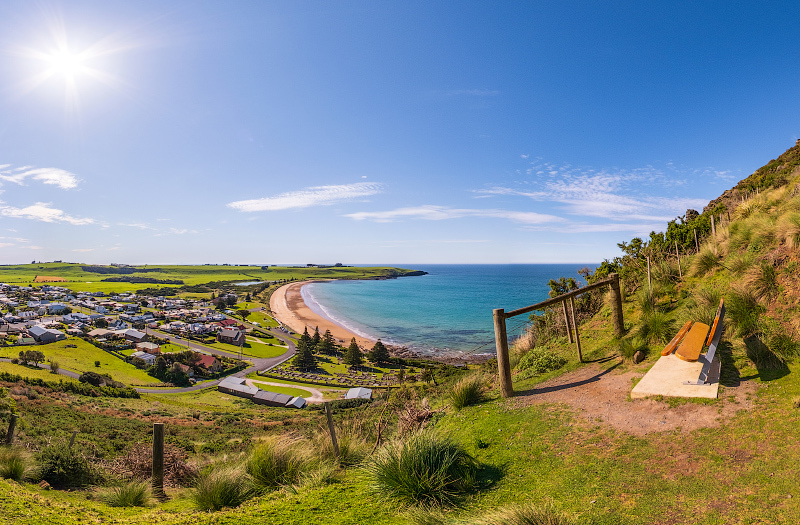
(83, 250)
(314, 196)
(58, 177)
(6, 244)
(437, 213)
(42, 211)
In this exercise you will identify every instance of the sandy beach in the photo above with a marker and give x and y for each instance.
(289, 308)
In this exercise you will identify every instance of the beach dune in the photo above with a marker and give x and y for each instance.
(288, 307)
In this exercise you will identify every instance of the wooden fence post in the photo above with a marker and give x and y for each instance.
(332, 429)
(713, 228)
(649, 283)
(501, 343)
(696, 245)
(678, 255)
(575, 324)
(566, 321)
(12, 424)
(72, 439)
(616, 309)
(158, 461)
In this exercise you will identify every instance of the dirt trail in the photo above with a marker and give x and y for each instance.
(599, 394)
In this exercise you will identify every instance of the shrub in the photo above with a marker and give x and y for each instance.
(134, 493)
(54, 366)
(63, 467)
(468, 391)
(762, 281)
(760, 354)
(277, 462)
(222, 488)
(424, 468)
(13, 464)
(704, 262)
(540, 361)
(352, 447)
(708, 296)
(744, 312)
(656, 328)
(740, 263)
(783, 345)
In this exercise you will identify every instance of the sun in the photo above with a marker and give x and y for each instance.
(67, 63)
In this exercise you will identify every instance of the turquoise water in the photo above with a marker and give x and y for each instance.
(447, 311)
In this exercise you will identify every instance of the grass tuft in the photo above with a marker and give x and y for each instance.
(527, 515)
(656, 328)
(277, 462)
(423, 469)
(222, 488)
(743, 312)
(762, 281)
(131, 494)
(628, 347)
(704, 262)
(468, 391)
(13, 464)
(788, 229)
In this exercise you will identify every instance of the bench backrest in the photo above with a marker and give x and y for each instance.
(714, 336)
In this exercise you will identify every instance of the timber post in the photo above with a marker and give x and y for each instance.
(575, 323)
(649, 282)
(566, 321)
(158, 461)
(503, 363)
(12, 424)
(678, 255)
(72, 439)
(713, 228)
(696, 245)
(332, 430)
(616, 308)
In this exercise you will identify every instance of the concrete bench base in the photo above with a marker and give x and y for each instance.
(668, 375)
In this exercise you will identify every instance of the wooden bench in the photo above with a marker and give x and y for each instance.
(713, 342)
(692, 343)
(677, 339)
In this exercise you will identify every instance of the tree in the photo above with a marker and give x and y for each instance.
(231, 300)
(35, 356)
(101, 323)
(93, 378)
(353, 355)
(243, 313)
(428, 375)
(213, 296)
(379, 353)
(23, 357)
(221, 305)
(247, 297)
(315, 339)
(328, 345)
(161, 365)
(304, 360)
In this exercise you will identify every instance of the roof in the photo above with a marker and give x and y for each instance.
(359, 393)
(135, 333)
(207, 360)
(273, 397)
(237, 384)
(99, 332)
(296, 402)
(150, 346)
(37, 330)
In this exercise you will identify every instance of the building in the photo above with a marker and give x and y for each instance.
(46, 335)
(150, 348)
(210, 363)
(236, 386)
(358, 393)
(231, 336)
(150, 359)
(134, 335)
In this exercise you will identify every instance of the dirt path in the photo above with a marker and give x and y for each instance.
(600, 394)
(316, 395)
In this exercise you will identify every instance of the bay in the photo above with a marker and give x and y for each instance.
(448, 311)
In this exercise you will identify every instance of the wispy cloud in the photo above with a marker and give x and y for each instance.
(55, 176)
(42, 211)
(438, 213)
(314, 196)
(83, 250)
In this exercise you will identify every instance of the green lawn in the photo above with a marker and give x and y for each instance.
(251, 349)
(263, 319)
(82, 359)
(37, 373)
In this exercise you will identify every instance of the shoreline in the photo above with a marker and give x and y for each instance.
(290, 309)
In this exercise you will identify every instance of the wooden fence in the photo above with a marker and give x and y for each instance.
(501, 337)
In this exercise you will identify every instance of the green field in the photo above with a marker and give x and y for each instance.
(36, 373)
(82, 359)
(251, 349)
(80, 280)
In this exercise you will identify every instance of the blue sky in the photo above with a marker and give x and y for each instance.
(378, 132)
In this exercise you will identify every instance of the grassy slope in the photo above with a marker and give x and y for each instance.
(82, 359)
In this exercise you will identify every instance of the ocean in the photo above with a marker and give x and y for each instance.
(448, 311)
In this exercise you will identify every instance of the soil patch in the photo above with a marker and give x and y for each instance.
(600, 395)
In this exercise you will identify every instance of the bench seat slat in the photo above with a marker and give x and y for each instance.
(692, 344)
(677, 339)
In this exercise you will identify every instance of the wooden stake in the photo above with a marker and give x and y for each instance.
(713, 228)
(575, 324)
(649, 283)
(72, 439)
(696, 245)
(158, 461)
(12, 424)
(501, 343)
(616, 310)
(566, 321)
(332, 430)
(678, 254)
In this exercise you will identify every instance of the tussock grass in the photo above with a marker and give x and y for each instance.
(743, 312)
(14, 464)
(708, 296)
(788, 229)
(423, 469)
(352, 447)
(655, 328)
(469, 390)
(741, 262)
(748, 208)
(704, 262)
(134, 493)
(527, 515)
(628, 347)
(740, 234)
(762, 282)
(221, 488)
(665, 271)
(278, 461)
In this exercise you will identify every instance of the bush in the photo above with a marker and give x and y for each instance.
(788, 229)
(63, 467)
(628, 347)
(54, 366)
(541, 361)
(423, 469)
(656, 328)
(222, 488)
(762, 281)
(13, 464)
(131, 494)
(275, 463)
(467, 391)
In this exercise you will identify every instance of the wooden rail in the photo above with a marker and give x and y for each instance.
(501, 336)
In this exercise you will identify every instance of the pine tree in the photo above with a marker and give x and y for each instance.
(379, 353)
(353, 355)
(316, 338)
(328, 346)
(304, 360)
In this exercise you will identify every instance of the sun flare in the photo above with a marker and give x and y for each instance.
(66, 63)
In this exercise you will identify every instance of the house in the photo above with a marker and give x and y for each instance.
(188, 370)
(30, 314)
(150, 348)
(135, 335)
(231, 336)
(263, 397)
(75, 318)
(99, 332)
(296, 402)
(26, 341)
(358, 393)
(236, 386)
(56, 308)
(46, 335)
(149, 359)
(210, 363)
(118, 325)
(227, 323)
